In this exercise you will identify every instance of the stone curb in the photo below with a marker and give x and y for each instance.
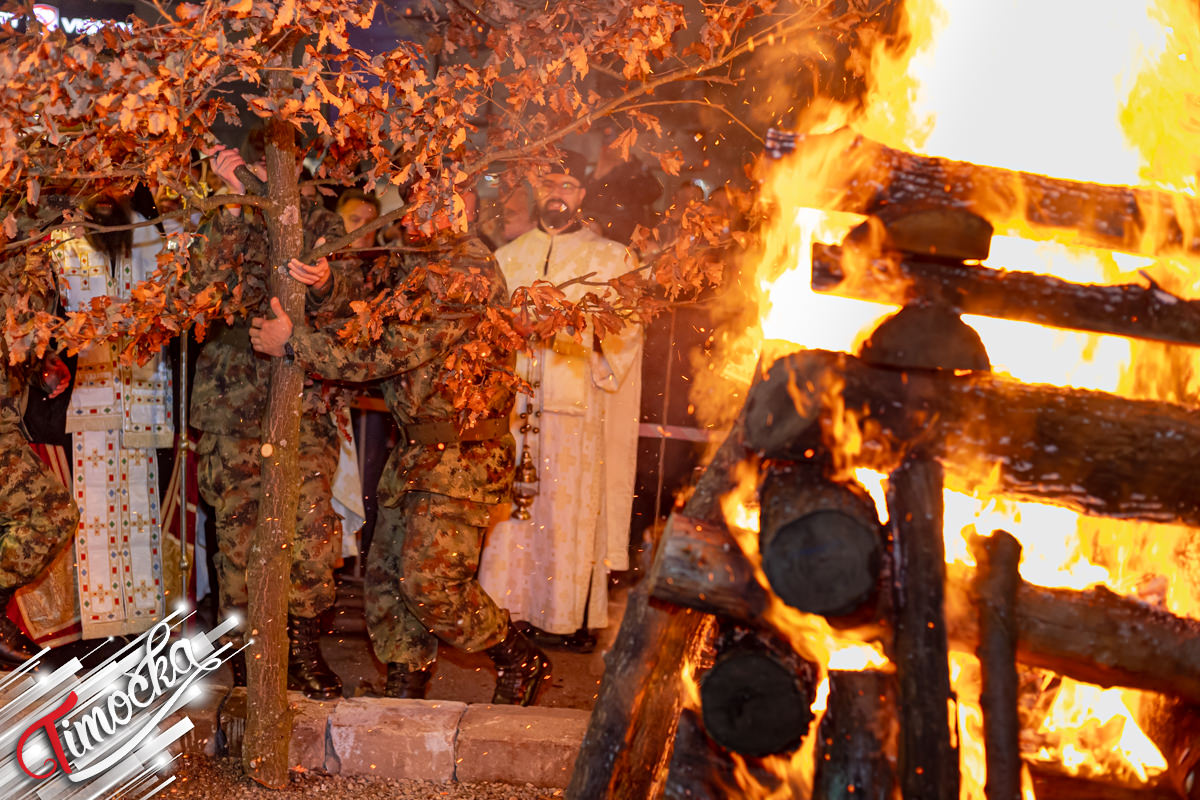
(431, 740)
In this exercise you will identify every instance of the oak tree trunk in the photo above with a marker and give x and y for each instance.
(268, 569)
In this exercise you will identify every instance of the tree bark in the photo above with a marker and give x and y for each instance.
(996, 582)
(856, 738)
(268, 570)
(928, 763)
(883, 182)
(891, 277)
(1093, 452)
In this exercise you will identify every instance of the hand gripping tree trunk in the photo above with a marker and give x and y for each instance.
(268, 570)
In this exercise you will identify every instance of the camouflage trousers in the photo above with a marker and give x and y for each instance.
(421, 580)
(229, 478)
(37, 515)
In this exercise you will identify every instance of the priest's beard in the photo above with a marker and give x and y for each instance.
(555, 214)
(115, 245)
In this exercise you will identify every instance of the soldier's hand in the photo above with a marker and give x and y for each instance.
(55, 376)
(268, 336)
(225, 162)
(315, 275)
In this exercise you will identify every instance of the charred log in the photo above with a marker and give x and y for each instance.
(1174, 727)
(996, 582)
(700, 565)
(1092, 452)
(1126, 310)
(1094, 636)
(1054, 783)
(856, 737)
(757, 698)
(627, 745)
(821, 542)
(703, 770)
(882, 182)
(928, 762)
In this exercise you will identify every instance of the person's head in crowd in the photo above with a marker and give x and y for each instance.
(516, 214)
(357, 208)
(559, 191)
(109, 208)
(687, 193)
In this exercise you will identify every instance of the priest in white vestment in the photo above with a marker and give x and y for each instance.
(580, 430)
(118, 415)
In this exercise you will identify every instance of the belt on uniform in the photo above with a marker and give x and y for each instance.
(448, 432)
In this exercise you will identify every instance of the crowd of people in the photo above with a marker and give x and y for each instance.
(447, 561)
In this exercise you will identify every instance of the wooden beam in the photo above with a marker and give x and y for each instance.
(995, 595)
(1143, 312)
(854, 738)
(1093, 452)
(1094, 636)
(865, 177)
(928, 762)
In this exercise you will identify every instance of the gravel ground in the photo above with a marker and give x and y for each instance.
(213, 779)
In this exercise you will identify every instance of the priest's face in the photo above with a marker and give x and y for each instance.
(559, 198)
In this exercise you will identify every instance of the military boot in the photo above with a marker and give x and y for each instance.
(15, 647)
(521, 668)
(307, 670)
(407, 683)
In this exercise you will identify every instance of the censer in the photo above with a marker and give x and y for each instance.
(525, 479)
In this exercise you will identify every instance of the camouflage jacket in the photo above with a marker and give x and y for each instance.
(230, 392)
(410, 360)
(27, 286)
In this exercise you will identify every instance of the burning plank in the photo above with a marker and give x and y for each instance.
(1092, 452)
(891, 277)
(878, 181)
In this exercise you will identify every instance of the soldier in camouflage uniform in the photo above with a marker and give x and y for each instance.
(438, 490)
(38, 517)
(228, 402)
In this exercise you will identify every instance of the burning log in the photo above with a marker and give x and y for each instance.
(881, 180)
(1051, 782)
(928, 763)
(700, 565)
(756, 699)
(995, 584)
(821, 542)
(703, 770)
(1094, 636)
(1126, 310)
(1090, 451)
(855, 738)
(630, 731)
(1174, 727)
